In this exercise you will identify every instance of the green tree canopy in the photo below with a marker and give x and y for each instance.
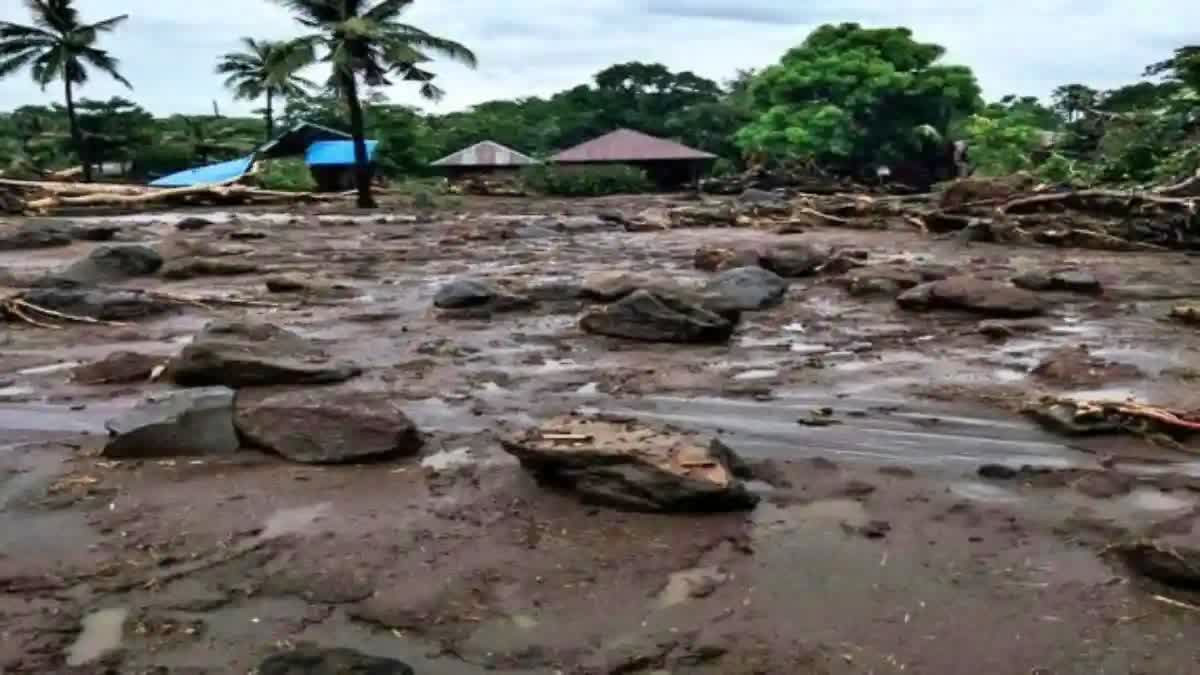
(264, 69)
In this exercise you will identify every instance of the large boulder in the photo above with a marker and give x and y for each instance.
(246, 354)
(113, 263)
(632, 466)
(747, 289)
(191, 422)
(190, 268)
(105, 304)
(658, 317)
(326, 426)
(33, 235)
(980, 296)
(312, 660)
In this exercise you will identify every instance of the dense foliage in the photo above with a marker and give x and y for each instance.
(585, 181)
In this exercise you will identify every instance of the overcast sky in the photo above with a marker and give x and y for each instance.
(536, 47)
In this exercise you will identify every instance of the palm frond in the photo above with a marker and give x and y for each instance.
(107, 25)
(419, 39)
(387, 10)
(105, 62)
(12, 64)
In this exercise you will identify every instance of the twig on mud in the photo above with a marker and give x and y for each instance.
(1176, 603)
(65, 317)
(13, 309)
(208, 302)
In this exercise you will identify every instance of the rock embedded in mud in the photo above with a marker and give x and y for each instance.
(710, 258)
(793, 260)
(658, 317)
(105, 304)
(321, 425)
(287, 284)
(113, 263)
(312, 660)
(192, 223)
(191, 268)
(473, 295)
(192, 422)
(747, 289)
(118, 368)
(35, 235)
(999, 329)
(247, 354)
(612, 286)
(1174, 566)
(633, 466)
(1075, 281)
(979, 296)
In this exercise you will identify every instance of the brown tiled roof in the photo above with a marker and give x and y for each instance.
(626, 145)
(487, 153)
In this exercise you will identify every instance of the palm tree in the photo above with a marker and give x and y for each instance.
(59, 46)
(267, 69)
(364, 39)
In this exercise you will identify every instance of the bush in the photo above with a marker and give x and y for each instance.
(590, 181)
(161, 159)
(288, 175)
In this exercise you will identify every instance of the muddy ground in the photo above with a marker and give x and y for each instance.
(877, 548)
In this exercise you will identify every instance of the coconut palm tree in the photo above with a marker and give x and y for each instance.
(364, 40)
(264, 69)
(59, 46)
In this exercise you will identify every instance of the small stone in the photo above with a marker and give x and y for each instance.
(192, 223)
(656, 317)
(191, 268)
(997, 472)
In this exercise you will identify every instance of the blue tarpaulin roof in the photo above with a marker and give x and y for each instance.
(207, 175)
(336, 153)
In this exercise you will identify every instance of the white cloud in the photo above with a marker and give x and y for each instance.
(536, 47)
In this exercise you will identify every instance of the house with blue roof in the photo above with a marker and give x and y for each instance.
(329, 154)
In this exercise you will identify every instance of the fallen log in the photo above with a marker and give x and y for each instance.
(1100, 201)
(208, 194)
(1189, 187)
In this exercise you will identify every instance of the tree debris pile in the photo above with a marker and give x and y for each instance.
(44, 197)
(1164, 426)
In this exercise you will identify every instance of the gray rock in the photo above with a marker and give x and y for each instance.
(288, 284)
(612, 286)
(190, 268)
(464, 293)
(192, 223)
(312, 660)
(106, 304)
(999, 329)
(747, 288)
(632, 466)
(794, 260)
(32, 235)
(326, 426)
(1075, 281)
(118, 368)
(247, 235)
(979, 296)
(97, 232)
(113, 263)
(658, 317)
(245, 354)
(192, 422)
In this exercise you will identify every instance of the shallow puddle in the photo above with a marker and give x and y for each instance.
(102, 632)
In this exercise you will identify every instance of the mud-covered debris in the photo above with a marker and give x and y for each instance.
(121, 367)
(795, 259)
(287, 284)
(1174, 566)
(1187, 313)
(702, 215)
(191, 268)
(979, 296)
(746, 289)
(247, 354)
(658, 317)
(711, 258)
(108, 264)
(999, 329)
(634, 466)
(1081, 418)
(34, 235)
(104, 304)
(313, 660)
(612, 286)
(323, 425)
(1075, 281)
(998, 472)
(1077, 367)
(476, 295)
(192, 422)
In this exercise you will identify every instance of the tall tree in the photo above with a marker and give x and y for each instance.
(264, 69)
(59, 46)
(364, 41)
(1073, 100)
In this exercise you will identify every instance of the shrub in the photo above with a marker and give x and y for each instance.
(288, 175)
(589, 181)
(161, 159)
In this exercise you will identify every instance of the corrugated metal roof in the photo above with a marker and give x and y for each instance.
(487, 153)
(626, 145)
(207, 175)
(336, 153)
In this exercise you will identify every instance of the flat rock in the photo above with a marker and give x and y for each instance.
(747, 288)
(979, 296)
(658, 317)
(1075, 281)
(113, 263)
(312, 660)
(118, 368)
(33, 235)
(190, 268)
(106, 304)
(192, 422)
(322, 425)
(881, 281)
(288, 284)
(633, 466)
(464, 293)
(246, 354)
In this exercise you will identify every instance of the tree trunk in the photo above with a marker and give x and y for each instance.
(77, 133)
(270, 117)
(362, 166)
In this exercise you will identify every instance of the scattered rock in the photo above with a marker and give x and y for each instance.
(326, 426)
(999, 329)
(287, 284)
(997, 472)
(189, 422)
(474, 296)
(747, 289)
(612, 286)
(247, 235)
(113, 263)
(1076, 367)
(106, 304)
(32, 235)
(795, 259)
(190, 268)
(97, 232)
(1076, 281)
(312, 660)
(980, 296)
(118, 368)
(1104, 484)
(245, 354)
(1174, 566)
(1189, 314)
(192, 223)
(632, 466)
(881, 281)
(658, 317)
(716, 259)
